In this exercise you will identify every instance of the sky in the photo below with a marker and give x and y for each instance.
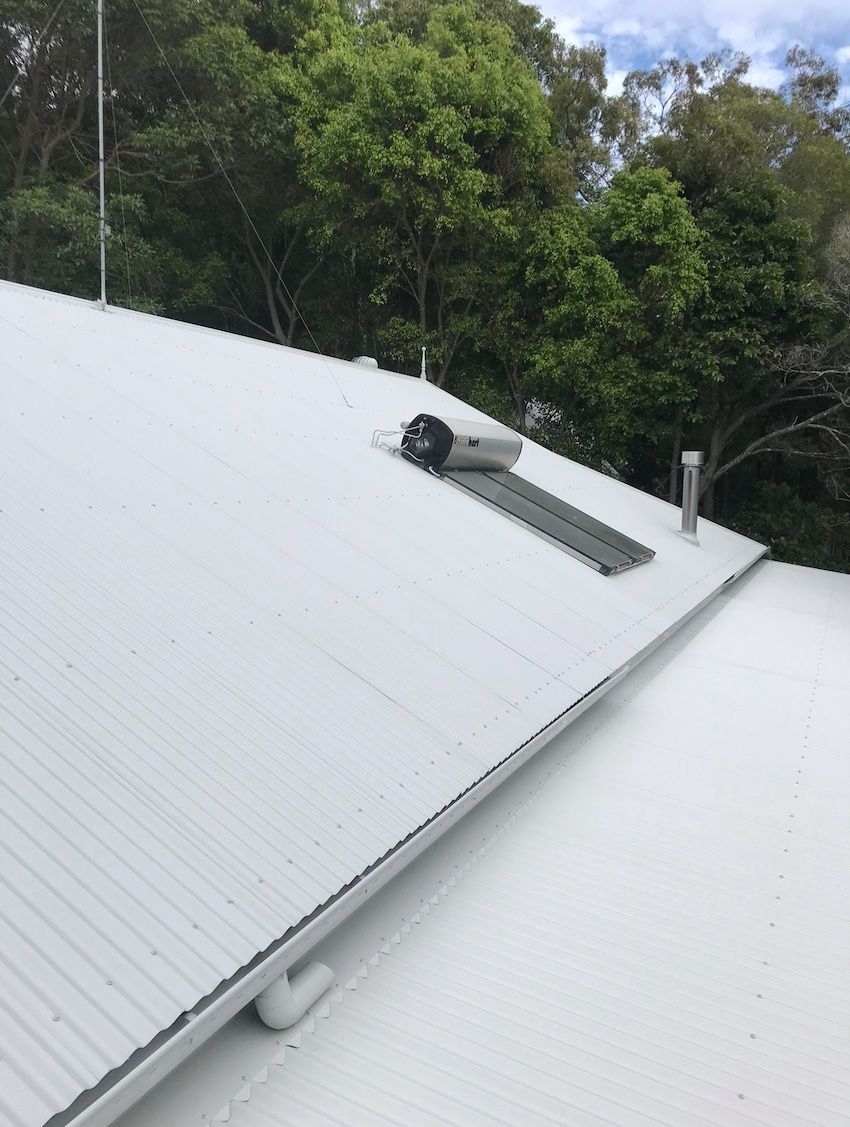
(639, 32)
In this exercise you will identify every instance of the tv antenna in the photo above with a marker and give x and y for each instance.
(100, 155)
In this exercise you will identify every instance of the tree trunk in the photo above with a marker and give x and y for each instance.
(421, 301)
(518, 397)
(675, 458)
(28, 135)
(712, 464)
(707, 501)
(13, 258)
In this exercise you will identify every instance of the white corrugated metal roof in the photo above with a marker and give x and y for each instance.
(243, 654)
(660, 935)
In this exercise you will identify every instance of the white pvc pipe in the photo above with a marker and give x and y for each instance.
(286, 1000)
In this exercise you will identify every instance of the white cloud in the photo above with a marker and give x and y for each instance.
(639, 32)
(616, 78)
(763, 72)
(570, 29)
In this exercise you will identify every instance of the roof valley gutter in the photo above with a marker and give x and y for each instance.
(123, 1087)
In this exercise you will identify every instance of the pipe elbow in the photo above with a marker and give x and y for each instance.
(287, 999)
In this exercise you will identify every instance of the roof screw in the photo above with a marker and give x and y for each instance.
(154, 951)
(56, 1017)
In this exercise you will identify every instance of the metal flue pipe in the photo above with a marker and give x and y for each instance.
(692, 464)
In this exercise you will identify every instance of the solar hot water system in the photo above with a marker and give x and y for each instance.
(478, 458)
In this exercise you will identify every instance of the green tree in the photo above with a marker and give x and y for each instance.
(615, 282)
(591, 130)
(416, 159)
(48, 129)
(706, 123)
(796, 531)
(727, 147)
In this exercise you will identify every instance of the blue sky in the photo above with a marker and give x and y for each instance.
(641, 31)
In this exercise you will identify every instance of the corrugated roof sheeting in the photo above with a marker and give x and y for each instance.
(660, 936)
(243, 654)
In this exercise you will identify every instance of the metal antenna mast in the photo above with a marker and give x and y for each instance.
(101, 161)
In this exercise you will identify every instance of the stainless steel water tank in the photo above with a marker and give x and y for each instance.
(458, 444)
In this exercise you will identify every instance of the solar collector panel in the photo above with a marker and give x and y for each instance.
(582, 536)
(596, 527)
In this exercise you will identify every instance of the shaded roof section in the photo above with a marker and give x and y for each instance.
(659, 934)
(244, 654)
